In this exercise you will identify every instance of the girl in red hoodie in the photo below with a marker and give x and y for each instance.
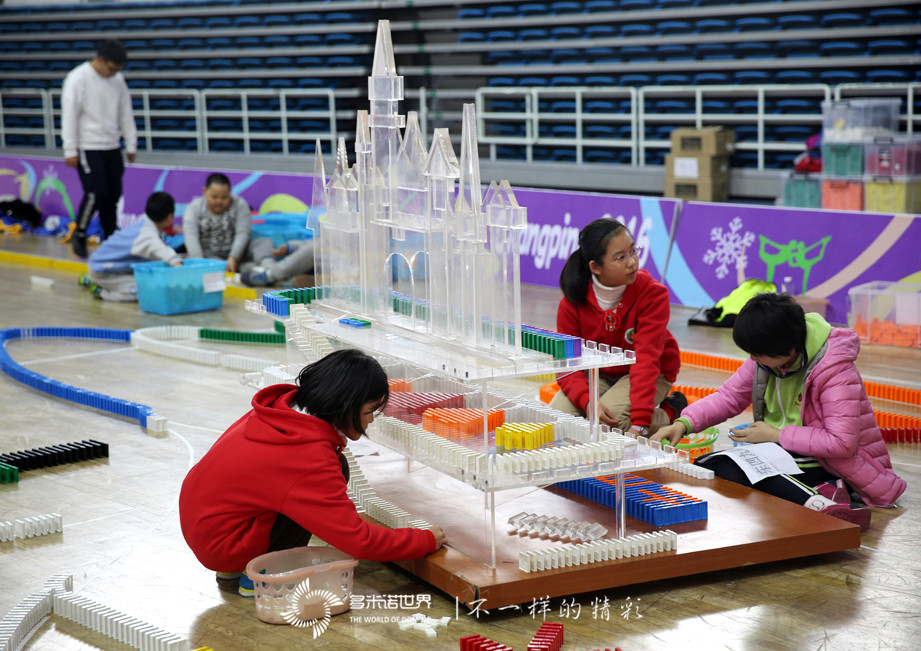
(277, 475)
(607, 298)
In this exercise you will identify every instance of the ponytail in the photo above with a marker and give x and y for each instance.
(593, 244)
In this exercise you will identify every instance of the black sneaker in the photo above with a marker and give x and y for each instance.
(674, 404)
(78, 242)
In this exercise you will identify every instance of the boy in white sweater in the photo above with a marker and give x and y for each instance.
(95, 114)
(111, 277)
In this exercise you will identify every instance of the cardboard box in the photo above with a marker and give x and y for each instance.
(681, 166)
(701, 190)
(708, 141)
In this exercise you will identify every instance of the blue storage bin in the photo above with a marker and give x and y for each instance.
(163, 289)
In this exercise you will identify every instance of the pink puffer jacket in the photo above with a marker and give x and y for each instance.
(838, 429)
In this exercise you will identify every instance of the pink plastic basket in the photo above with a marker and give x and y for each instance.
(303, 586)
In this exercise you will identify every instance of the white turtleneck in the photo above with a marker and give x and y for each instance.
(608, 297)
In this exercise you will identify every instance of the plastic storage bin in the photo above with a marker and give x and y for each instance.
(802, 191)
(893, 155)
(842, 158)
(842, 194)
(852, 120)
(283, 597)
(196, 286)
(892, 195)
(886, 313)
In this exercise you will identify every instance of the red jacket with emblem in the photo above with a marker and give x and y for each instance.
(643, 327)
(278, 460)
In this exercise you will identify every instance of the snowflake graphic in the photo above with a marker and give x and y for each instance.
(730, 247)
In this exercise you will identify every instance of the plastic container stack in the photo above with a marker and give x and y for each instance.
(886, 313)
(865, 161)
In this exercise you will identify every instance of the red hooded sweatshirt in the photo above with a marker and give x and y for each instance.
(643, 327)
(278, 460)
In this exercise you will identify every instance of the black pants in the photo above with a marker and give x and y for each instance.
(793, 488)
(101, 176)
(286, 533)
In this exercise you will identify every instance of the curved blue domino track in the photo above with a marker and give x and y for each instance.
(117, 406)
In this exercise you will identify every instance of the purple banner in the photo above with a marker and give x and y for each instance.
(817, 252)
(54, 188)
(555, 219)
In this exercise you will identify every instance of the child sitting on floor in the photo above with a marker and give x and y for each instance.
(808, 398)
(111, 277)
(277, 476)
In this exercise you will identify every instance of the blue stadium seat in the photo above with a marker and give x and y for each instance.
(754, 24)
(306, 40)
(755, 50)
(568, 56)
(532, 9)
(799, 48)
(752, 77)
(671, 106)
(746, 132)
(890, 46)
(636, 79)
(600, 156)
(565, 80)
(563, 106)
(502, 57)
(468, 13)
(501, 11)
(600, 105)
(307, 18)
(710, 78)
(54, 26)
(713, 51)
(190, 44)
(533, 34)
(842, 19)
(595, 6)
(218, 22)
(566, 7)
(797, 21)
(636, 53)
(162, 44)
(189, 64)
(135, 44)
(244, 42)
(279, 62)
(309, 62)
(500, 35)
(636, 5)
(676, 4)
(888, 76)
(674, 52)
(565, 32)
(710, 25)
(792, 105)
(106, 25)
(716, 105)
(672, 79)
(221, 63)
(841, 49)
(532, 81)
(891, 16)
(190, 22)
(673, 27)
(342, 62)
(633, 30)
(501, 81)
(341, 38)
(166, 84)
(471, 37)
(277, 40)
(161, 23)
(833, 77)
(218, 42)
(602, 54)
(193, 84)
(277, 20)
(793, 76)
(600, 80)
(243, 22)
(600, 31)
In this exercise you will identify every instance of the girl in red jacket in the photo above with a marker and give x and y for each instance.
(277, 475)
(607, 298)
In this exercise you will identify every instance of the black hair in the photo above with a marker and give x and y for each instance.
(771, 325)
(217, 178)
(336, 388)
(113, 51)
(593, 244)
(160, 205)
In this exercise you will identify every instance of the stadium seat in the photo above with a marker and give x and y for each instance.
(600, 31)
(888, 76)
(792, 105)
(500, 35)
(673, 27)
(676, 4)
(795, 77)
(710, 25)
(716, 106)
(601, 80)
(890, 46)
(636, 79)
(596, 6)
(755, 50)
(891, 16)
(634, 30)
(600, 156)
(501, 11)
(471, 13)
(797, 48)
(754, 24)
(636, 5)
(672, 79)
(218, 22)
(533, 34)
(565, 32)
(276, 40)
(190, 44)
(244, 22)
(710, 78)
(713, 51)
(602, 55)
(306, 40)
(752, 77)
(190, 22)
(532, 9)
(840, 49)
(277, 20)
(566, 7)
(842, 19)
(674, 52)
(307, 18)
(833, 77)
(797, 21)
(637, 53)
(565, 80)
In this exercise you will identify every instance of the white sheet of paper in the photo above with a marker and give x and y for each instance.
(213, 282)
(762, 460)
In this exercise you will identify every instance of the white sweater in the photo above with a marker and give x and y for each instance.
(95, 112)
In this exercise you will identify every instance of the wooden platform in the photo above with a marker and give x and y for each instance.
(744, 527)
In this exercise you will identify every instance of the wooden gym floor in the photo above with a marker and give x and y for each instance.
(122, 544)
